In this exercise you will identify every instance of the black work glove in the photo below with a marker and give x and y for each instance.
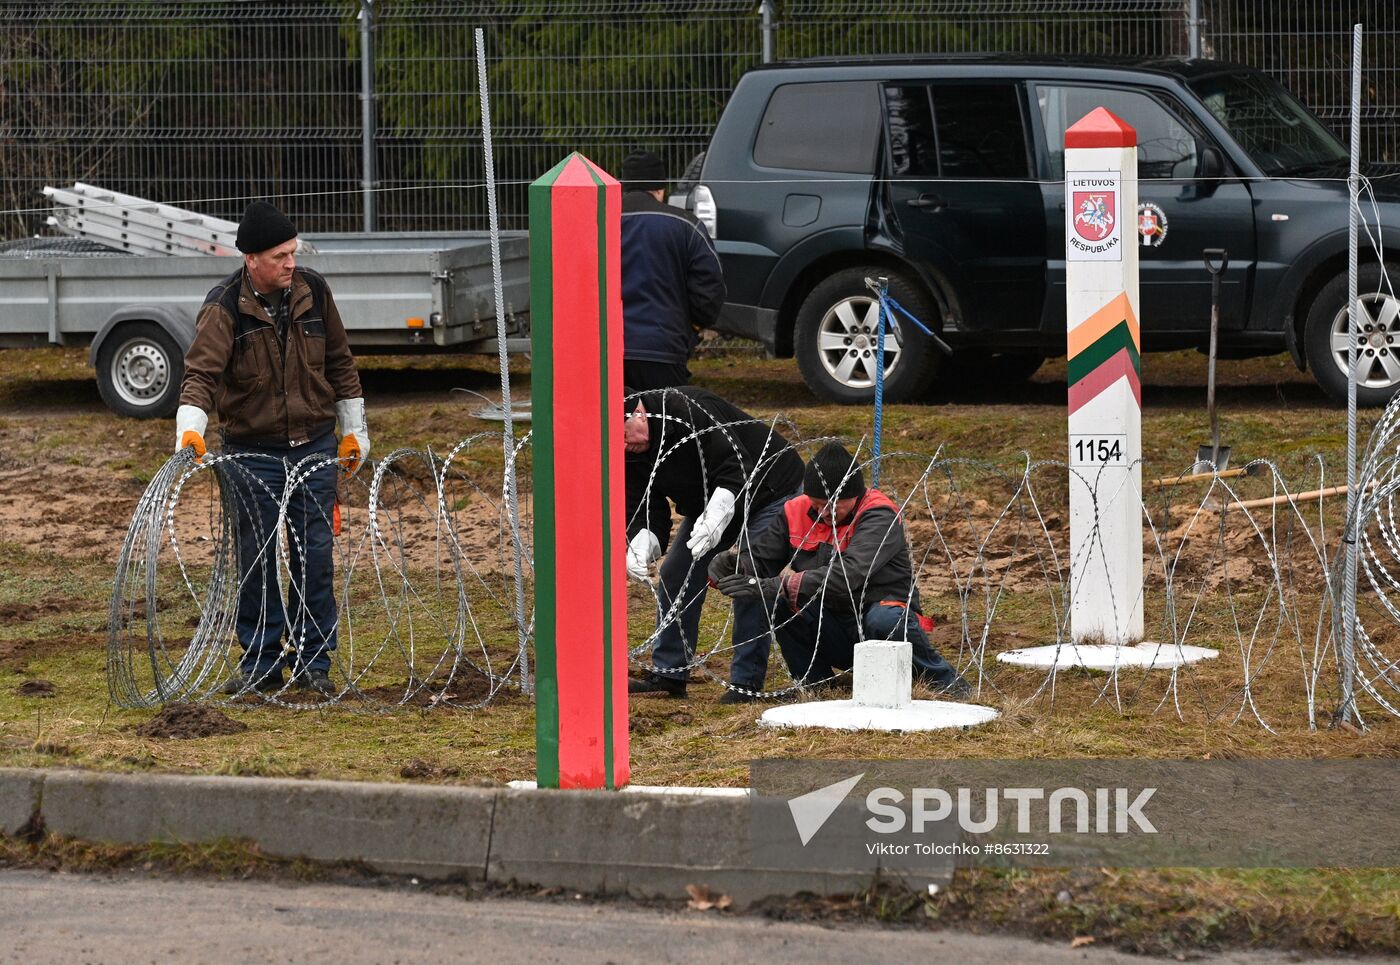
(741, 586)
(725, 564)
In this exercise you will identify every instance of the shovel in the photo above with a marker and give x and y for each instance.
(1215, 456)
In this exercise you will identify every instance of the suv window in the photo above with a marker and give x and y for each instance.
(1268, 122)
(1166, 146)
(956, 131)
(820, 127)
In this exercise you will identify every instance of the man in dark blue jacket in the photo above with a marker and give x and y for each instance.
(672, 286)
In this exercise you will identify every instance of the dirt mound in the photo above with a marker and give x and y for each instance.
(16, 653)
(419, 769)
(464, 688)
(14, 614)
(36, 688)
(184, 721)
(653, 717)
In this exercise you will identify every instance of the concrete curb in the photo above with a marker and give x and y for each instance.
(643, 845)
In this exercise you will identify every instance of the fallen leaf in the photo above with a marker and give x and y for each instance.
(1081, 940)
(702, 900)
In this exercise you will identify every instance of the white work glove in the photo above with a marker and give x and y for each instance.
(711, 524)
(641, 553)
(354, 436)
(190, 423)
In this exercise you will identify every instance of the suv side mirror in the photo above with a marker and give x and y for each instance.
(1209, 170)
(1211, 164)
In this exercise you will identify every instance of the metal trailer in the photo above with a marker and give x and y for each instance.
(397, 293)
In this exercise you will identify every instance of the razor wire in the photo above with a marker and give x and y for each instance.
(424, 610)
(1242, 562)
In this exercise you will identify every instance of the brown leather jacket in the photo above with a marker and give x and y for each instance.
(235, 366)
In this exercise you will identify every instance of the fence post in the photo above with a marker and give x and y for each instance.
(367, 109)
(1347, 711)
(576, 452)
(1193, 29)
(765, 14)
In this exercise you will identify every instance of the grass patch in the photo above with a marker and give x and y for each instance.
(1172, 912)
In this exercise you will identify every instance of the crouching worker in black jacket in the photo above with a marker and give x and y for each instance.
(728, 475)
(834, 569)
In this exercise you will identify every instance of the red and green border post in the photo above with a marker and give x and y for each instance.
(576, 447)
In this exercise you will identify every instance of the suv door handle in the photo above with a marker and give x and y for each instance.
(927, 201)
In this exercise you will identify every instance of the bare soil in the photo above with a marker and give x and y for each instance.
(17, 652)
(188, 721)
(37, 688)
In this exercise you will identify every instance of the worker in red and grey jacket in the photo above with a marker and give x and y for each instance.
(834, 569)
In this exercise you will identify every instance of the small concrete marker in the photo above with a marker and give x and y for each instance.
(881, 699)
(884, 674)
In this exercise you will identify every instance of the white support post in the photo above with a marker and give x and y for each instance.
(1105, 410)
(1105, 394)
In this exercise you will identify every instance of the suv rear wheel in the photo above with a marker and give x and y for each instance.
(1326, 337)
(836, 339)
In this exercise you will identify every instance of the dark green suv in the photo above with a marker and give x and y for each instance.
(945, 175)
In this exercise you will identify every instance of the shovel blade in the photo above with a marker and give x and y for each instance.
(1220, 461)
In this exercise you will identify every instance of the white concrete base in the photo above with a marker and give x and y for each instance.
(655, 789)
(849, 715)
(1144, 656)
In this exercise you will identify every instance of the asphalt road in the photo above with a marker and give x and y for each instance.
(48, 917)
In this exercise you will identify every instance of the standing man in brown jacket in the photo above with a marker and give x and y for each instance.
(270, 356)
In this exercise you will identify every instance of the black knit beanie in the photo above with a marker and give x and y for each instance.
(643, 171)
(263, 227)
(833, 474)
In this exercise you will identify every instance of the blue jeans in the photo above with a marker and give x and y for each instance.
(815, 651)
(674, 646)
(262, 621)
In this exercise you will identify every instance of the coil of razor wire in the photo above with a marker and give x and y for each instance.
(426, 613)
(423, 590)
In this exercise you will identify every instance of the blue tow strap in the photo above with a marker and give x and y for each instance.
(880, 380)
(886, 303)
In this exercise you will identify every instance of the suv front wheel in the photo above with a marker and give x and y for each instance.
(1326, 337)
(836, 339)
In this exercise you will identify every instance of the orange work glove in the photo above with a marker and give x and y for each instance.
(190, 423)
(354, 436)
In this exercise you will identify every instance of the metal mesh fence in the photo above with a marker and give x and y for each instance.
(1308, 47)
(210, 103)
(1112, 27)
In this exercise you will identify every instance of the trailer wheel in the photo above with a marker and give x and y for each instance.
(139, 370)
